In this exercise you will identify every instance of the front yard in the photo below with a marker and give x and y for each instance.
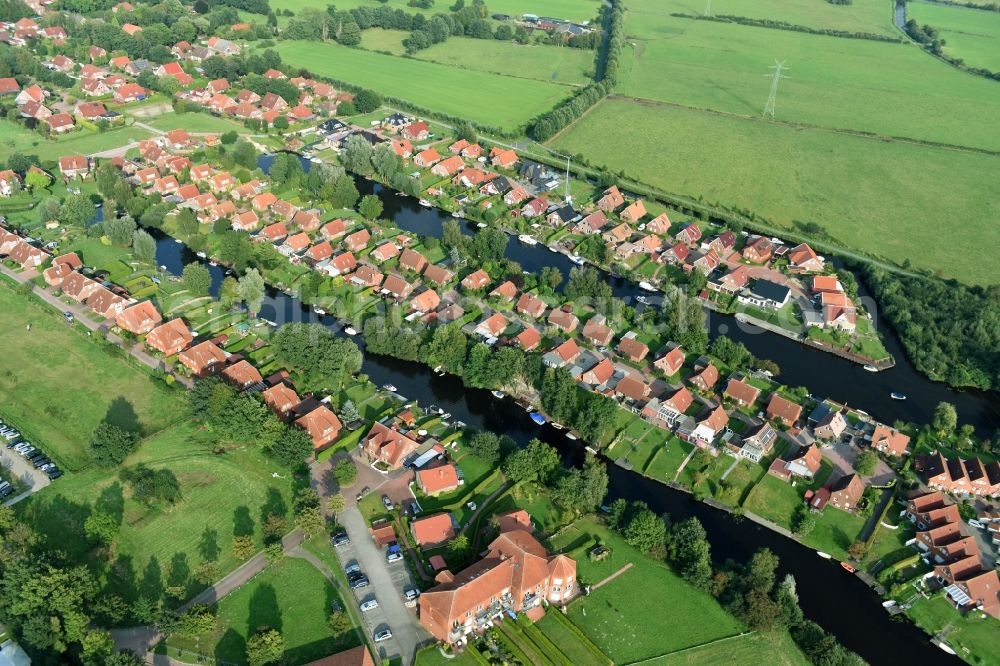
(973, 636)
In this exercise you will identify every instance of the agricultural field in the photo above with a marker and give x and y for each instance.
(554, 64)
(384, 40)
(291, 596)
(502, 101)
(92, 385)
(571, 10)
(871, 16)
(882, 197)
(970, 34)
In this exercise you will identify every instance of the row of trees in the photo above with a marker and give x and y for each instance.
(794, 27)
(752, 591)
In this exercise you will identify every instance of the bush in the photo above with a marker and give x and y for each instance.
(110, 445)
(345, 473)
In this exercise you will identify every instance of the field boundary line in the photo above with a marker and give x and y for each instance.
(691, 647)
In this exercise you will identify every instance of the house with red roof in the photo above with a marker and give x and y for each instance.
(438, 480)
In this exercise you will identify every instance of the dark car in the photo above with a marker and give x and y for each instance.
(340, 539)
(359, 583)
(54, 473)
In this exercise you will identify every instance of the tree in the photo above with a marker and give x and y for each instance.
(336, 503)
(865, 463)
(459, 546)
(252, 290)
(143, 246)
(292, 447)
(229, 138)
(485, 445)
(857, 550)
(36, 180)
(371, 206)
(187, 223)
(78, 210)
(340, 623)
(804, 522)
(98, 646)
(120, 230)
(536, 461)
(243, 547)
(344, 193)
(645, 530)
(348, 412)
(150, 486)
(586, 283)
(229, 293)
(490, 244)
(235, 249)
(101, 526)
(689, 552)
(945, 418)
(48, 604)
(357, 155)
(265, 647)
(345, 473)
(110, 445)
(126, 657)
(367, 101)
(196, 279)
(280, 123)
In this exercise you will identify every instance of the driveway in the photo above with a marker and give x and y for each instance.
(388, 580)
(843, 456)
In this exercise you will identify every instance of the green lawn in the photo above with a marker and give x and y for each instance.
(291, 596)
(775, 648)
(973, 636)
(572, 10)
(379, 39)
(971, 34)
(545, 63)
(873, 16)
(16, 138)
(615, 618)
(502, 101)
(63, 384)
(194, 122)
(784, 174)
(564, 638)
(431, 656)
(222, 495)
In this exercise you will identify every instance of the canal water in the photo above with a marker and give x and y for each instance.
(838, 601)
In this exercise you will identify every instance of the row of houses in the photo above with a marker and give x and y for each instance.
(955, 555)
(969, 477)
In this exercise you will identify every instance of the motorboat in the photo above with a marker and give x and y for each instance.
(896, 395)
(849, 568)
(459, 214)
(553, 248)
(527, 240)
(642, 299)
(498, 394)
(870, 368)
(390, 388)
(425, 203)
(825, 556)
(557, 426)
(576, 259)
(570, 435)
(481, 225)
(201, 255)
(350, 330)
(646, 286)
(537, 418)
(318, 310)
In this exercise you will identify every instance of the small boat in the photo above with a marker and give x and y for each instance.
(178, 240)
(645, 286)
(576, 259)
(527, 240)
(350, 330)
(201, 255)
(642, 299)
(481, 225)
(570, 435)
(590, 449)
(315, 160)
(213, 262)
(446, 416)
(390, 388)
(870, 368)
(498, 394)
(318, 310)
(825, 556)
(553, 248)
(537, 418)
(425, 203)
(459, 214)
(400, 194)
(896, 395)
(558, 426)
(848, 567)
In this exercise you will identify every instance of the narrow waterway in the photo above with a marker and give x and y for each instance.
(839, 602)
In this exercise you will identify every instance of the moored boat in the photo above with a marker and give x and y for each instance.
(870, 368)
(390, 388)
(896, 395)
(527, 240)
(537, 418)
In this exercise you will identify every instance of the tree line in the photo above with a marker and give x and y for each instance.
(794, 27)
(928, 36)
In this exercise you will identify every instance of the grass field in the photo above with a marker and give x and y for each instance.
(572, 10)
(972, 636)
(63, 384)
(615, 618)
(17, 139)
(222, 495)
(545, 63)
(493, 100)
(431, 656)
(291, 596)
(886, 198)
(378, 39)
(874, 16)
(775, 648)
(832, 82)
(971, 34)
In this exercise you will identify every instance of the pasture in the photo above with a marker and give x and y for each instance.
(554, 64)
(883, 197)
(493, 100)
(889, 89)
(970, 34)
(872, 16)
(571, 10)
(64, 384)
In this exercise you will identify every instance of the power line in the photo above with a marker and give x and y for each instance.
(775, 78)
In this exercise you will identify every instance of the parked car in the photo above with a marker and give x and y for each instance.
(393, 557)
(69, 316)
(364, 491)
(54, 473)
(359, 583)
(411, 593)
(389, 506)
(353, 567)
(340, 539)
(383, 635)
(370, 604)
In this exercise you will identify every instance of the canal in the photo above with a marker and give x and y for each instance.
(838, 601)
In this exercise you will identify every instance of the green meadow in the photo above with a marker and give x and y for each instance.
(571, 10)
(970, 34)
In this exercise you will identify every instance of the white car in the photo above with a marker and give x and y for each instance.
(394, 557)
(370, 604)
(383, 635)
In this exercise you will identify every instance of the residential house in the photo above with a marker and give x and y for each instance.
(666, 413)
(632, 348)
(806, 462)
(358, 240)
(611, 199)
(281, 398)
(170, 338)
(783, 410)
(516, 575)
(831, 426)
(427, 158)
(397, 287)
(846, 491)
(492, 326)
(446, 167)
(599, 374)
(705, 377)
(565, 353)
(62, 266)
(889, 440)
(535, 207)
(319, 252)
(412, 260)
(322, 425)
(619, 234)
(74, 166)
(529, 338)
(758, 442)
(432, 531)
(596, 332)
(203, 358)
(242, 374)
(438, 480)
(566, 322)
(505, 292)
(634, 211)
(689, 235)
(742, 393)
(342, 264)
(516, 196)
(103, 301)
(476, 280)
(530, 305)
(669, 360)
(386, 251)
(438, 274)
(766, 294)
(78, 287)
(388, 446)
(709, 428)
(367, 276)
(802, 258)
(140, 318)
(426, 301)
(60, 123)
(130, 92)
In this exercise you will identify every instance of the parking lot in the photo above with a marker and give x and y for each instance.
(21, 469)
(388, 581)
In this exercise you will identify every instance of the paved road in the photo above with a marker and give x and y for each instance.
(85, 316)
(388, 580)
